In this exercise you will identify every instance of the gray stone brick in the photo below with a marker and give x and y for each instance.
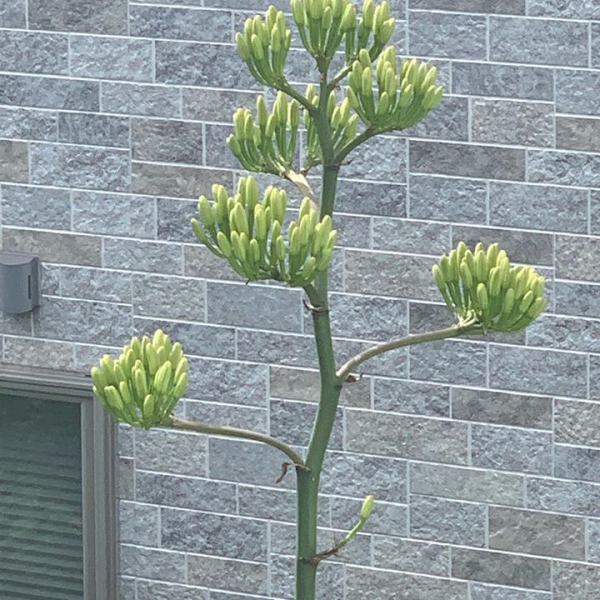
(531, 532)
(125, 440)
(522, 247)
(153, 564)
(467, 484)
(575, 497)
(577, 423)
(449, 361)
(176, 181)
(576, 9)
(48, 92)
(214, 105)
(406, 437)
(254, 419)
(531, 124)
(53, 247)
(138, 524)
(104, 323)
(504, 81)
(29, 352)
(448, 521)
(303, 385)
(50, 280)
(574, 255)
(577, 463)
(565, 333)
(124, 479)
(388, 199)
(504, 569)
(508, 449)
(353, 231)
(155, 590)
(93, 130)
(447, 35)
(574, 92)
(565, 168)
(547, 207)
(107, 17)
(501, 408)
(140, 99)
(174, 218)
(24, 206)
(546, 42)
(389, 364)
(180, 23)
(489, 592)
(166, 141)
(595, 44)
(81, 167)
(233, 575)
(293, 422)
(185, 492)
(111, 58)
(410, 236)
(511, 7)
(13, 14)
(387, 519)
(445, 199)
(408, 555)
(450, 121)
(171, 452)
(216, 535)
(464, 160)
(194, 64)
(593, 546)
(572, 581)
(134, 255)
(271, 504)
(28, 124)
(126, 588)
(199, 261)
(397, 275)
(170, 297)
(284, 349)
(113, 214)
(95, 284)
(411, 397)
(594, 377)
(231, 382)
(381, 159)
(34, 52)
(196, 339)
(372, 584)
(14, 158)
(355, 475)
(578, 134)
(256, 306)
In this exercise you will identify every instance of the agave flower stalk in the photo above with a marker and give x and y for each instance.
(260, 238)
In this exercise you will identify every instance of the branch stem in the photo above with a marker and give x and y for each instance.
(456, 330)
(234, 432)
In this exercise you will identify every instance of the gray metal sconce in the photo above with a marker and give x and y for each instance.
(19, 283)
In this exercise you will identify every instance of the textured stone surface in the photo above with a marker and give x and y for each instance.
(233, 575)
(572, 256)
(155, 590)
(504, 569)
(467, 161)
(564, 333)
(140, 99)
(509, 449)
(481, 591)
(532, 532)
(14, 165)
(516, 7)
(166, 141)
(95, 284)
(577, 463)
(576, 9)
(24, 206)
(406, 437)
(411, 397)
(152, 563)
(573, 497)
(580, 133)
(538, 41)
(133, 255)
(574, 92)
(13, 13)
(34, 52)
(530, 124)
(138, 524)
(577, 423)
(413, 556)
(576, 581)
(502, 408)
(93, 130)
(467, 484)
(410, 236)
(388, 519)
(565, 168)
(28, 124)
(448, 521)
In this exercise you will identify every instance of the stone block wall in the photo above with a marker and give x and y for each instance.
(484, 455)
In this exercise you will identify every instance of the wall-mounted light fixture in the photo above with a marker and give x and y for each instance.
(19, 283)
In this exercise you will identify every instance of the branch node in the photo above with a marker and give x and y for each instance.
(313, 309)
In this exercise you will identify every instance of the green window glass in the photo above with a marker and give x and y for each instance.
(41, 529)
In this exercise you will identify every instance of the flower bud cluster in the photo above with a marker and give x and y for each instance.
(484, 286)
(251, 234)
(145, 383)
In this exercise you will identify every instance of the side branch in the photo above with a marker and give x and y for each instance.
(234, 432)
(459, 329)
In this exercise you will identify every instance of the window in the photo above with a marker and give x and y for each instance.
(57, 499)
